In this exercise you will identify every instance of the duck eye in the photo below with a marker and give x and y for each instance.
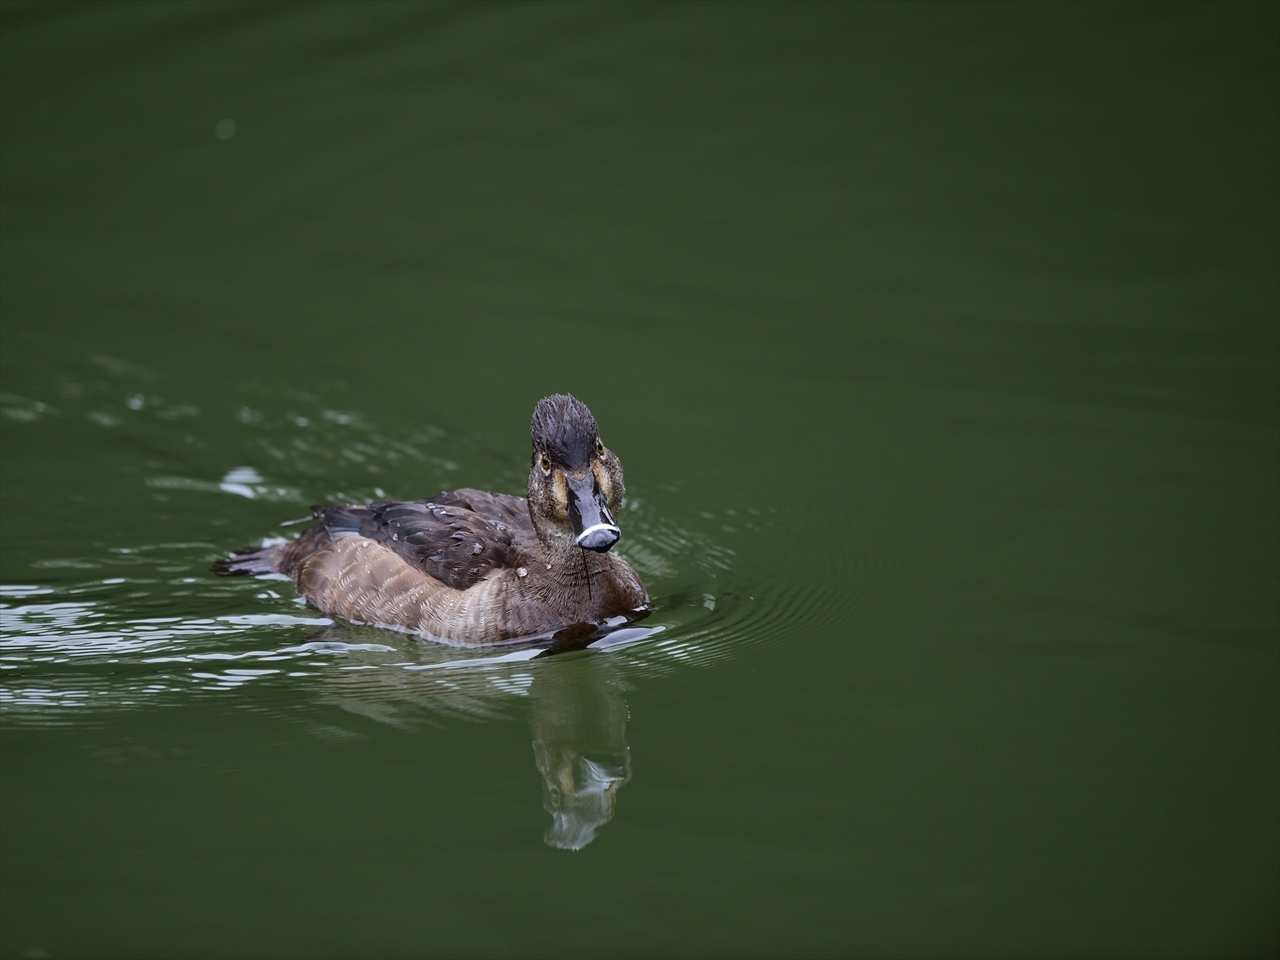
(545, 464)
(599, 447)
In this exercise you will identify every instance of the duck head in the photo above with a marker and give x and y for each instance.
(575, 482)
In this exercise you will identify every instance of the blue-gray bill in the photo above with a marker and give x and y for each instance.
(593, 525)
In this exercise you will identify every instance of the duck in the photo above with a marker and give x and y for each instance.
(469, 567)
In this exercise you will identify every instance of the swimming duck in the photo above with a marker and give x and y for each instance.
(472, 567)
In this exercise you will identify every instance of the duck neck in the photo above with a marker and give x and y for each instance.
(568, 564)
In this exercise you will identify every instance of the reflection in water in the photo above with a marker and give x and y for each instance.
(579, 720)
(578, 713)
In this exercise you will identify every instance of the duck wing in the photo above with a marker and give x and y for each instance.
(507, 511)
(458, 537)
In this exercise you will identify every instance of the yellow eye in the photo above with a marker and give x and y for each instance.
(545, 464)
(599, 448)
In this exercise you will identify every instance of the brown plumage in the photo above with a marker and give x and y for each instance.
(472, 567)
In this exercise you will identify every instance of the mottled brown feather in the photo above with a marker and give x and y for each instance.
(445, 537)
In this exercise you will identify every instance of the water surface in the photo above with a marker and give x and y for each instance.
(941, 347)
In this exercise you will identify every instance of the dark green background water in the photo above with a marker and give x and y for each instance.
(941, 345)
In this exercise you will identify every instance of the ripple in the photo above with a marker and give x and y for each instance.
(140, 640)
(240, 481)
(160, 630)
(76, 648)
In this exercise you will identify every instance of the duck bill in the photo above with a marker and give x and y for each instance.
(593, 524)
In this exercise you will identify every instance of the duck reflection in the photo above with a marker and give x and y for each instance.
(577, 708)
(579, 724)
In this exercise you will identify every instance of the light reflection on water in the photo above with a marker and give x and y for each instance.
(49, 644)
(65, 658)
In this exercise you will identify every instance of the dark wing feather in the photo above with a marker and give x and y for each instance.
(457, 537)
(511, 513)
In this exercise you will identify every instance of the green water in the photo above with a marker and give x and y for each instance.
(941, 345)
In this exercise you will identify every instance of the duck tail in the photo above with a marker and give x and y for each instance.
(277, 558)
(249, 563)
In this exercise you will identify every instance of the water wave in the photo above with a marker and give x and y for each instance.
(159, 629)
